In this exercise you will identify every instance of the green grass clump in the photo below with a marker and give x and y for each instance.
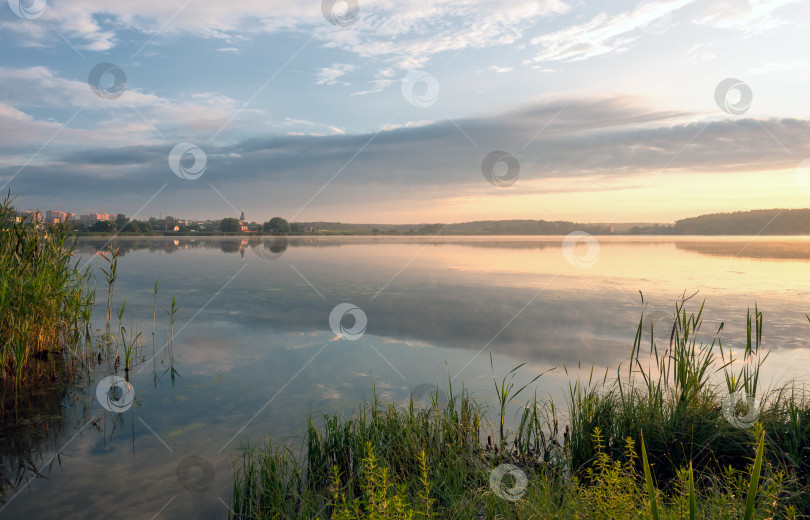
(432, 455)
(410, 483)
(678, 396)
(45, 299)
(695, 460)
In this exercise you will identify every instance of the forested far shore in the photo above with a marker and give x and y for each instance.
(755, 222)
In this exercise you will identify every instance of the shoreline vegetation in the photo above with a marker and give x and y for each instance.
(49, 346)
(768, 222)
(684, 430)
(47, 298)
(47, 301)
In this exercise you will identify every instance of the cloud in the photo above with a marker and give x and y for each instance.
(290, 121)
(404, 33)
(496, 68)
(383, 78)
(133, 116)
(330, 75)
(409, 124)
(95, 24)
(752, 16)
(602, 34)
(701, 52)
(614, 138)
(407, 34)
(18, 127)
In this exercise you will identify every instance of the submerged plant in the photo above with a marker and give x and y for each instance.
(128, 347)
(172, 312)
(154, 317)
(747, 378)
(120, 314)
(110, 276)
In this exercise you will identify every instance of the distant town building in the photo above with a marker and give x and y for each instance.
(92, 218)
(31, 216)
(55, 217)
(243, 222)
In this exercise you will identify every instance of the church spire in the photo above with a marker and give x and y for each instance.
(242, 216)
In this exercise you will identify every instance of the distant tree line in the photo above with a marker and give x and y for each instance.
(656, 229)
(757, 222)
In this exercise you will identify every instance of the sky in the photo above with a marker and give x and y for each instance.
(406, 111)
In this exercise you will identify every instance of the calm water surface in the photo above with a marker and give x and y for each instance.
(255, 353)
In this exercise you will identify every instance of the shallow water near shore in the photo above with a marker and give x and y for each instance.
(255, 350)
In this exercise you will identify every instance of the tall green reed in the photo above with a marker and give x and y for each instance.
(507, 392)
(44, 298)
(172, 312)
(110, 276)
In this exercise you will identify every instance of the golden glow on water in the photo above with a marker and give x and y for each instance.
(714, 265)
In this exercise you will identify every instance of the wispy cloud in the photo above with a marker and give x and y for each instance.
(752, 16)
(383, 78)
(602, 34)
(331, 75)
(405, 33)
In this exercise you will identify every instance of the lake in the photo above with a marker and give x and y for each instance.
(255, 352)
